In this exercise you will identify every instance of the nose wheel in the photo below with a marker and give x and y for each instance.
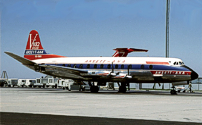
(173, 92)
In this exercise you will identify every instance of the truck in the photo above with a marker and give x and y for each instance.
(46, 81)
(39, 83)
(21, 82)
(53, 82)
(65, 83)
(12, 82)
(3, 82)
(30, 82)
(79, 85)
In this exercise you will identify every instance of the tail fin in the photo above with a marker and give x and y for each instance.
(123, 52)
(34, 49)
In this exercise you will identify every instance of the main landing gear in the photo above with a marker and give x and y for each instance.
(93, 88)
(122, 87)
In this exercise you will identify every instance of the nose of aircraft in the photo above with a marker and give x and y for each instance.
(194, 75)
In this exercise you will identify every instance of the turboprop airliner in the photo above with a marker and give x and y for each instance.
(99, 70)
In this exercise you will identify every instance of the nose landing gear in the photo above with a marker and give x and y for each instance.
(173, 92)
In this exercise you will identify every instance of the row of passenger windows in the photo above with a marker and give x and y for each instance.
(104, 66)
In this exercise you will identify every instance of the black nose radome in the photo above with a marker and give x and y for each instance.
(194, 75)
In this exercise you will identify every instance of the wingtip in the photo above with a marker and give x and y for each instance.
(6, 52)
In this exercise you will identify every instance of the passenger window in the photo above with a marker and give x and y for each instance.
(174, 63)
(101, 66)
(88, 66)
(95, 66)
(142, 66)
(81, 66)
(151, 67)
(69, 65)
(63, 64)
(116, 66)
(108, 66)
(122, 66)
(74, 66)
(129, 66)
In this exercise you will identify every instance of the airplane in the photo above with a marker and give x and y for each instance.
(97, 71)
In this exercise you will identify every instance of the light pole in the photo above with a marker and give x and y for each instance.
(167, 27)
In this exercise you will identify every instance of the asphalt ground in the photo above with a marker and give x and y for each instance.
(56, 106)
(39, 119)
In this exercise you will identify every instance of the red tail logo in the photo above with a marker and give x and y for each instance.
(34, 49)
(34, 42)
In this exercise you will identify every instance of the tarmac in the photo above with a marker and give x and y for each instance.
(37, 106)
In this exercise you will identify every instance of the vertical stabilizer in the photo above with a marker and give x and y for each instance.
(34, 49)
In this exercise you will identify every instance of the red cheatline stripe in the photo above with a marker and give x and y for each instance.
(163, 63)
(171, 72)
(33, 57)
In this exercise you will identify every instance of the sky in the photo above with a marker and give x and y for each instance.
(84, 28)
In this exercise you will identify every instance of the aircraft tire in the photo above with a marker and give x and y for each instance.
(122, 89)
(173, 92)
(94, 89)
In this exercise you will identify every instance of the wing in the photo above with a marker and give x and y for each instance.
(67, 72)
(21, 59)
(57, 71)
(63, 72)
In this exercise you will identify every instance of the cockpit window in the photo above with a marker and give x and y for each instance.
(178, 63)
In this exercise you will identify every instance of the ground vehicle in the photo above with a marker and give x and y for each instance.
(46, 82)
(65, 83)
(39, 83)
(70, 84)
(79, 85)
(30, 82)
(3, 82)
(21, 82)
(53, 82)
(12, 82)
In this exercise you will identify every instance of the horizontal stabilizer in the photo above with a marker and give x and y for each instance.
(123, 52)
(20, 59)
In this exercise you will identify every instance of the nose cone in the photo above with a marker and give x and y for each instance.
(194, 75)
